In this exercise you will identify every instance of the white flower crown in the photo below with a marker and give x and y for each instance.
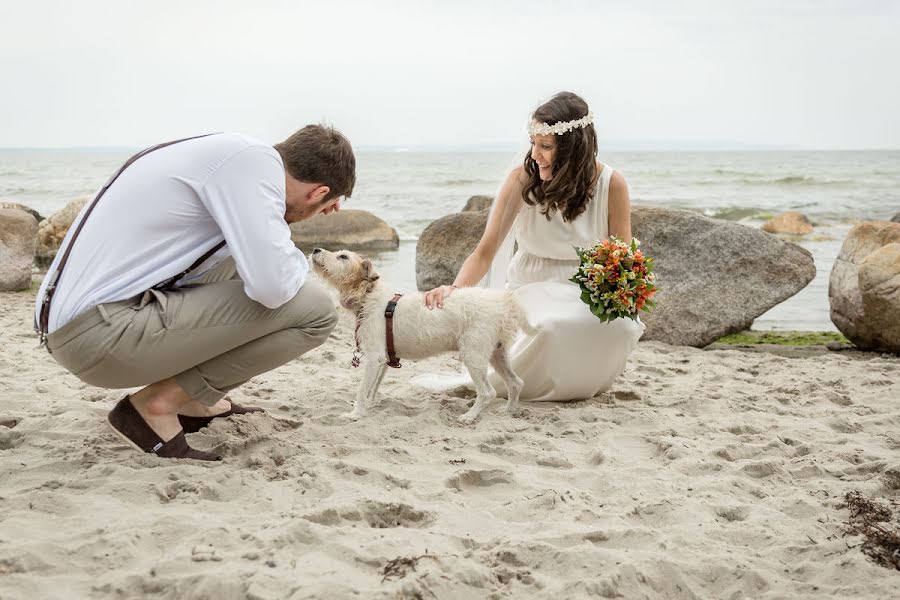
(561, 127)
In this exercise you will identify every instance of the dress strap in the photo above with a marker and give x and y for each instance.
(603, 212)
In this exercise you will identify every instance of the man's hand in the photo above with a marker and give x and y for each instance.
(436, 296)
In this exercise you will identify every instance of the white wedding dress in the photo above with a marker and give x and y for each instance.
(572, 354)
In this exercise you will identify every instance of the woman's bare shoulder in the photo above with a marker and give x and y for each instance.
(617, 183)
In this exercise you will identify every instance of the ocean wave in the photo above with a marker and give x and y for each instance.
(787, 180)
(735, 213)
(459, 182)
(800, 180)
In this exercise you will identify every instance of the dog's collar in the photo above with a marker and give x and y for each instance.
(393, 359)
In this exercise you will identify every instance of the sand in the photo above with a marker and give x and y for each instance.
(701, 474)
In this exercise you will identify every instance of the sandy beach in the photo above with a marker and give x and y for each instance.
(701, 474)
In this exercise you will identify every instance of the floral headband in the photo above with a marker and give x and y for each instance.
(561, 127)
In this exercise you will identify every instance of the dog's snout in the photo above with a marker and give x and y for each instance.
(316, 250)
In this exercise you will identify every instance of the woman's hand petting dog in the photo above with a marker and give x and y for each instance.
(436, 296)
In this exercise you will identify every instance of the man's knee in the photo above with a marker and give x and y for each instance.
(317, 314)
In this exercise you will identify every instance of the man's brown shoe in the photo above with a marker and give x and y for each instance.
(131, 427)
(194, 424)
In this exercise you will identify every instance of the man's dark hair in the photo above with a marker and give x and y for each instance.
(320, 154)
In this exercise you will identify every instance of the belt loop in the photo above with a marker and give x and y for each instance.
(103, 314)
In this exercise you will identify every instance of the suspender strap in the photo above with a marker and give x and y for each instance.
(44, 320)
(393, 360)
(168, 283)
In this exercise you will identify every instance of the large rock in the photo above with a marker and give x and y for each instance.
(864, 288)
(793, 223)
(351, 229)
(477, 203)
(17, 238)
(896, 218)
(17, 206)
(715, 277)
(444, 245)
(53, 229)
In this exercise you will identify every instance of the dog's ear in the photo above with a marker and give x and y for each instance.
(369, 273)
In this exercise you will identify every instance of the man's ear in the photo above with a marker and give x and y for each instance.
(317, 196)
(368, 270)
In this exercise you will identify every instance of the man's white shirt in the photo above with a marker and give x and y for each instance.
(170, 207)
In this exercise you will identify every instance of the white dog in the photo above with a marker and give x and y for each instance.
(480, 323)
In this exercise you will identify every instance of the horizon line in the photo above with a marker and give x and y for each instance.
(616, 146)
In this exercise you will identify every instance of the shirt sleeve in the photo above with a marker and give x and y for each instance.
(246, 198)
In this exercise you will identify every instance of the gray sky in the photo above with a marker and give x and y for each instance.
(804, 73)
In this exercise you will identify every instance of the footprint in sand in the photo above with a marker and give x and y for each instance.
(190, 491)
(843, 425)
(10, 439)
(733, 513)
(743, 430)
(554, 462)
(837, 398)
(596, 457)
(474, 478)
(627, 395)
(379, 515)
(762, 469)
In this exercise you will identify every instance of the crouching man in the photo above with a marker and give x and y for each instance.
(181, 276)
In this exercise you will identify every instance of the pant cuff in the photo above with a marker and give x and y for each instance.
(197, 388)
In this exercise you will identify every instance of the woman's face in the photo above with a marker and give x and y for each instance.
(543, 151)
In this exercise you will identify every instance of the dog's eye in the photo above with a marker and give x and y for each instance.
(343, 256)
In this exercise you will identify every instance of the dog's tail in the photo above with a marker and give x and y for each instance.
(518, 319)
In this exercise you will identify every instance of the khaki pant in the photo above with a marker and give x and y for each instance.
(208, 335)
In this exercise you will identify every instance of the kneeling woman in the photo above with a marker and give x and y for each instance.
(559, 198)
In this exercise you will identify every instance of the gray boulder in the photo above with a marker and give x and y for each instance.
(715, 277)
(444, 245)
(17, 239)
(53, 229)
(477, 203)
(864, 289)
(896, 218)
(356, 230)
(17, 206)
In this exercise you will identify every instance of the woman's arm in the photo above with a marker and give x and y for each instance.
(506, 207)
(619, 208)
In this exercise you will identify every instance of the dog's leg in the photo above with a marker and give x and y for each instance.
(483, 387)
(370, 376)
(370, 400)
(514, 383)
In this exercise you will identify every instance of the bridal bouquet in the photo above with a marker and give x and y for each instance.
(616, 279)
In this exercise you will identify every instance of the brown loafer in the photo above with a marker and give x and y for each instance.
(131, 427)
(194, 424)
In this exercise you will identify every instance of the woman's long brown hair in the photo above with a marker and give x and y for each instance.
(574, 167)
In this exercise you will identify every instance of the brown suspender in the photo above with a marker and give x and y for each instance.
(53, 281)
(393, 360)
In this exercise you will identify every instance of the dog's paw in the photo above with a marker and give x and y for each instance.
(467, 418)
(354, 416)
